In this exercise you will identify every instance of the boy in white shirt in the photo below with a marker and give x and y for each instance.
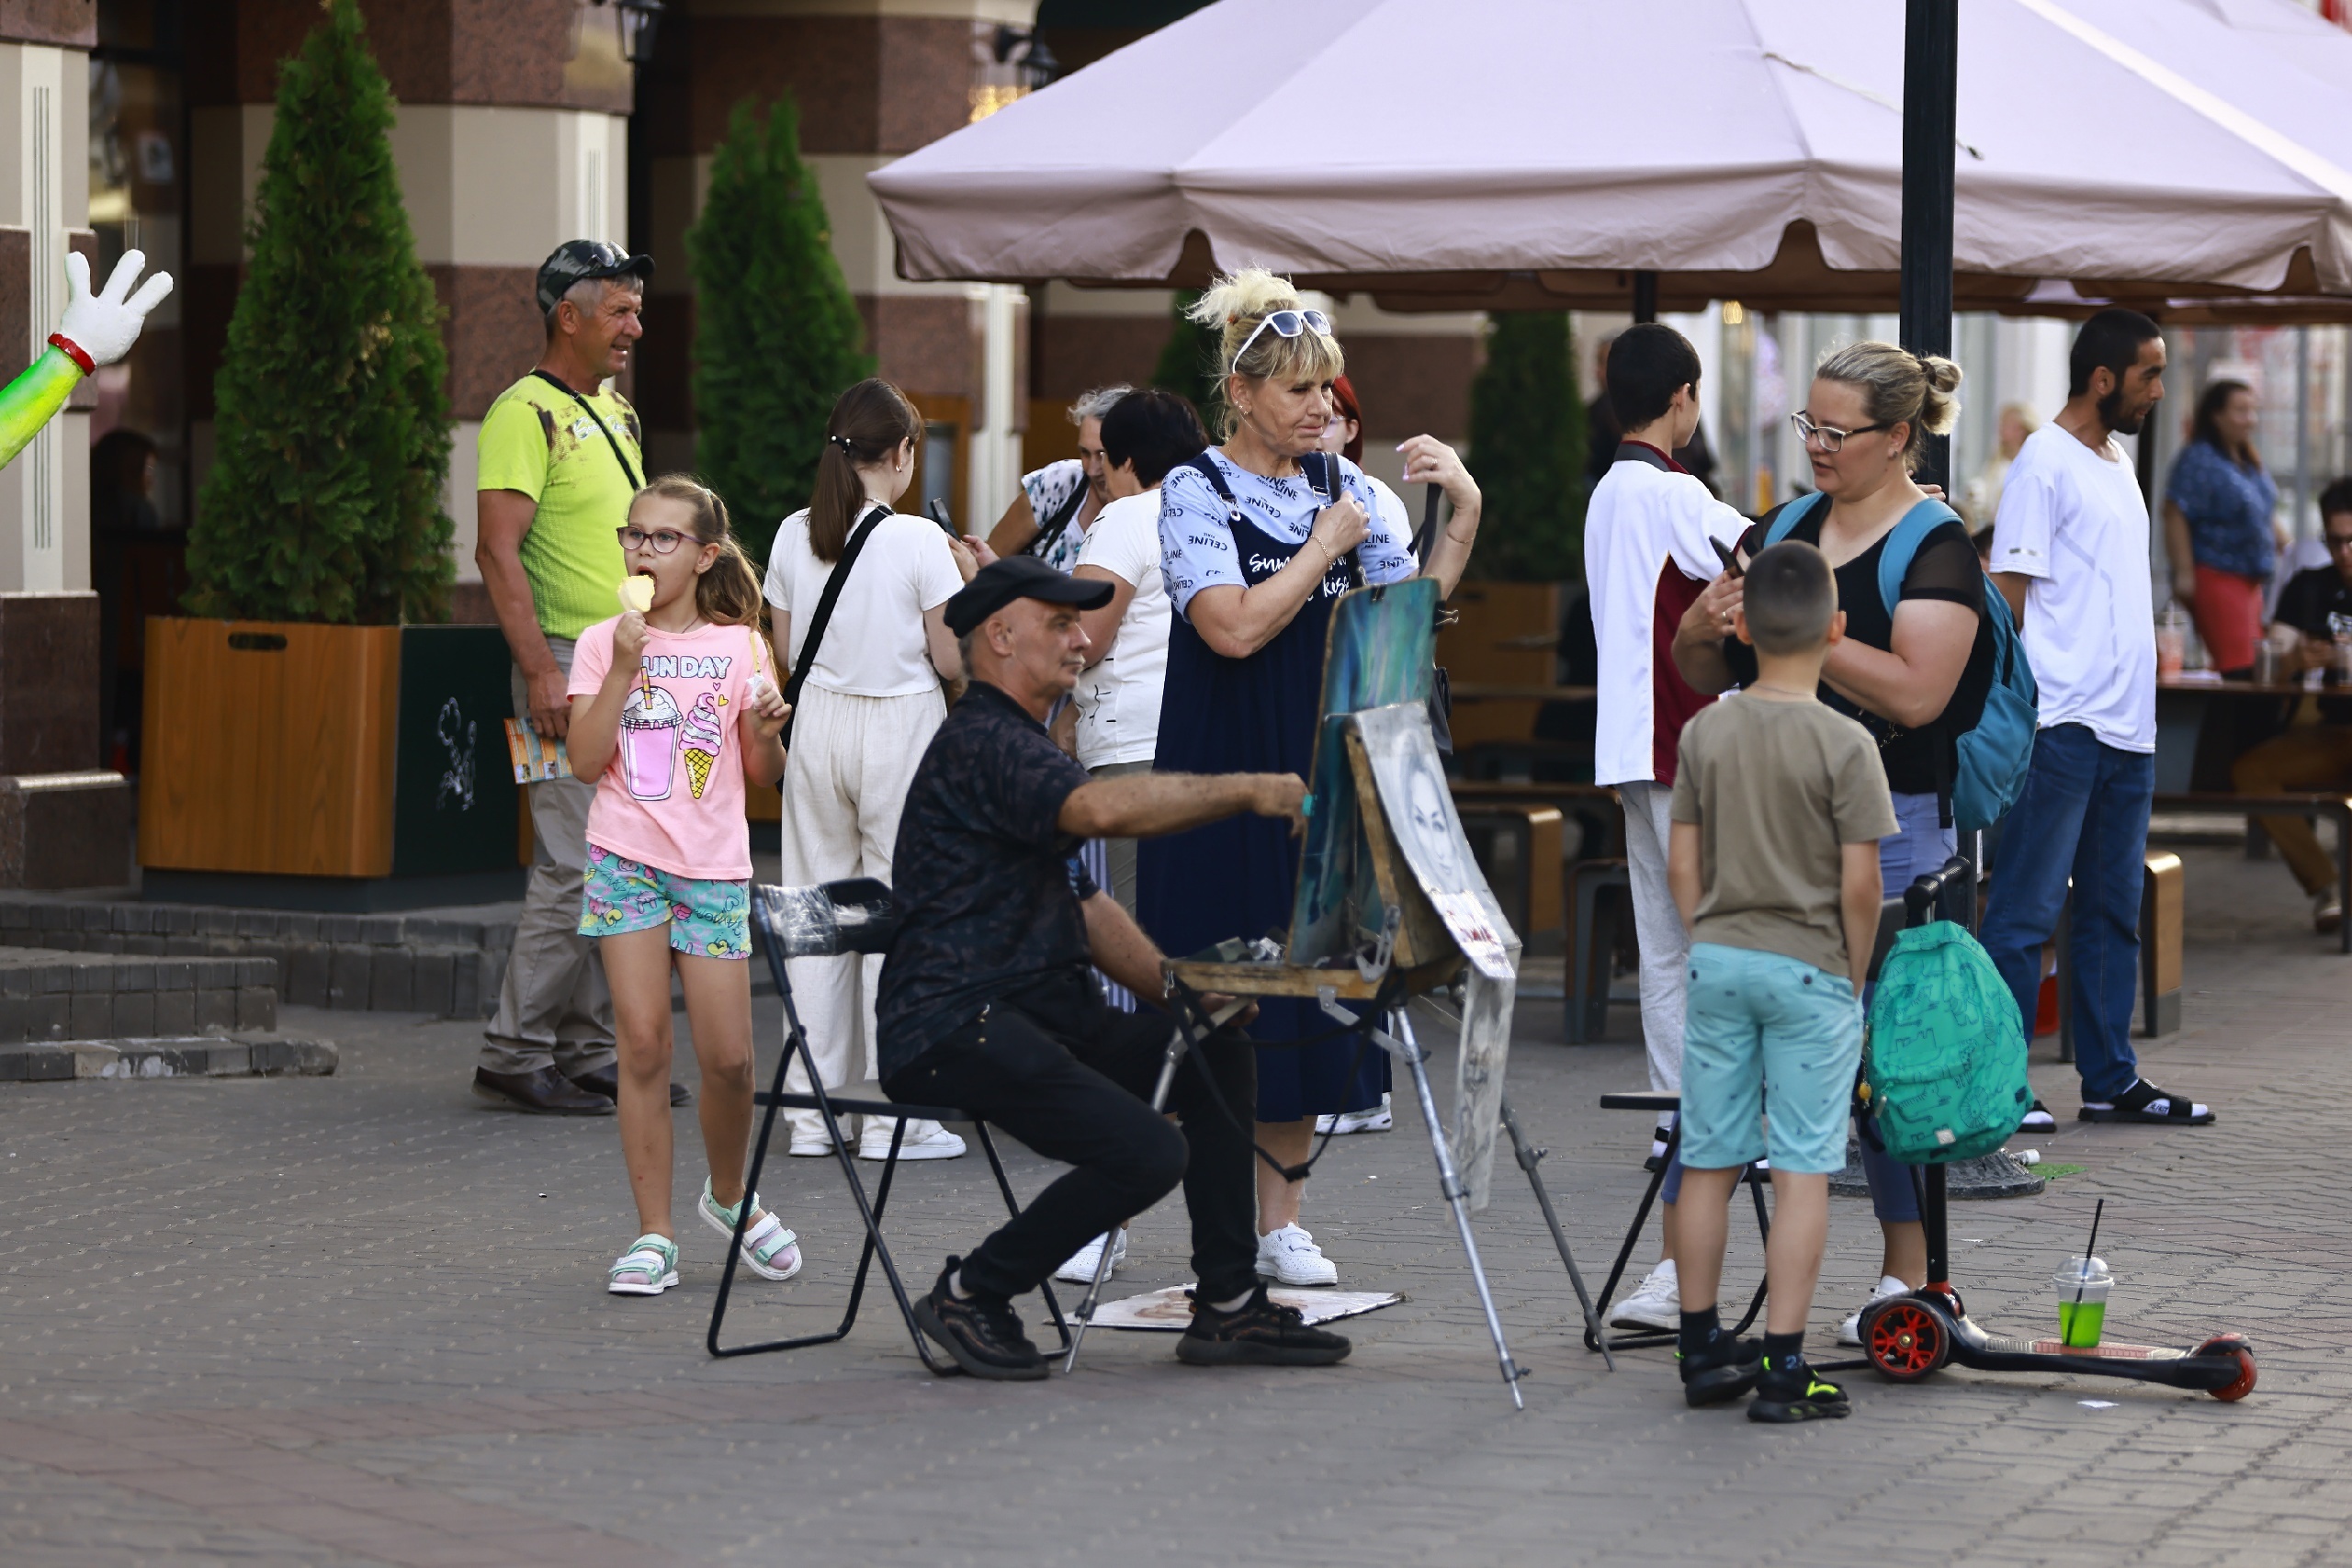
(2070, 552)
(1646, 556)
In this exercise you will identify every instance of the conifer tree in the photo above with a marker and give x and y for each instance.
(1527, 441)
(324, 502)
(1188, 361)
(778, 337)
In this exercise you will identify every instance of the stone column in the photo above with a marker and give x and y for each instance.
(44, 198)
(512, 138)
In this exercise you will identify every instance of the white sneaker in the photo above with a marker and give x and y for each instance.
(1657, 1303)
(1850, 1331)
(924, 1140)
(1083, 1263)
(1289, 1257)
(808, 1138)
(1381, 1118)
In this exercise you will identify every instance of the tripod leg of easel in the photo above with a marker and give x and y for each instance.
(1528, 1159)
(1110, 1241)
(1449, 1183)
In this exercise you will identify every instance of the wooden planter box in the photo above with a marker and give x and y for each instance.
(310, 766)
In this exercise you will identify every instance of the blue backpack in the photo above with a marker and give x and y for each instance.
(1995, 754)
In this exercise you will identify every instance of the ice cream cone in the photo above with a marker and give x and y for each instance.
(698, 764)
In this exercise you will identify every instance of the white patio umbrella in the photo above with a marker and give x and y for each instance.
(1501, 152)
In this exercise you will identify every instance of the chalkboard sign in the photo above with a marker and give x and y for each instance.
(453, 794)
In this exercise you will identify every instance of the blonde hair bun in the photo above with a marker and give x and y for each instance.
(1234, 305)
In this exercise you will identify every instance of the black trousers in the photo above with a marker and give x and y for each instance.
(1072, 1078)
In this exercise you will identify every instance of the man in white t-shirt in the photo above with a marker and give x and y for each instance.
(1647, 557)
(1144, 435)
(2071, 554)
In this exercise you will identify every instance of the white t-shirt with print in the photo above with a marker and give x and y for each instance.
(875, 646)
(1196, 547)
(1639, 520)
(1118, 700)
(2075, 522)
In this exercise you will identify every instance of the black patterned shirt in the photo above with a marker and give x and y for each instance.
(987, 894)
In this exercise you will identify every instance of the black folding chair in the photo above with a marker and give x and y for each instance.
(853, 915)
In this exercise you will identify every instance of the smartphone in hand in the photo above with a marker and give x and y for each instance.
(936, 511)
(1731, 556)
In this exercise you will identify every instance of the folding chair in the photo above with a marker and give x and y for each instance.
(853, 915)
(1655, 1101)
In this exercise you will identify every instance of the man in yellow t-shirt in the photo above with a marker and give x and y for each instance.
(561, 460)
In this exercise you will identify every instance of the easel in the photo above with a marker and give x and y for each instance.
(1416, 955)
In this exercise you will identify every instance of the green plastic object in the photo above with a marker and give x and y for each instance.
(1946, 1056)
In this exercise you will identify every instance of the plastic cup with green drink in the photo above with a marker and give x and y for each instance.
(2082, 1286)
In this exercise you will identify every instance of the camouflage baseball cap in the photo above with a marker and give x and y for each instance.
(575, 260)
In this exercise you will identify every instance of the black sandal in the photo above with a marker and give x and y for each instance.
(2142, 1102)
(2039, 1120)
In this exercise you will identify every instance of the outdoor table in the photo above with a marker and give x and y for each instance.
(2194, 752)
(1506, 690)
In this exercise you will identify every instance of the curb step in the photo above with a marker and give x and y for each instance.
(188, 1057)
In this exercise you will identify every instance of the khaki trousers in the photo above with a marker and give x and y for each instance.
(845, 780)
(553, 1007)
(2308, 758)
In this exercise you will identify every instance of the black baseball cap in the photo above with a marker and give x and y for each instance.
(576, 260)
(1020, 577)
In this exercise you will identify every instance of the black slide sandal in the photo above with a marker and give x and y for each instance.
(2134, 1104)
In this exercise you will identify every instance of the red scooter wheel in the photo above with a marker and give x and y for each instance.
(1905, 1339)
(2244, 1385)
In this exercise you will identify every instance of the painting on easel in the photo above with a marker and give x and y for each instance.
(1380, 650)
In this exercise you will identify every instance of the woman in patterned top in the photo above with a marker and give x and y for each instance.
(2219, 528)
(1252, 581)
(1042, 519)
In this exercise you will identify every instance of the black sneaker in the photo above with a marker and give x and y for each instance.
(1724, 1370)
(1257, 1334)
(981, 1332)
(1791, 1393)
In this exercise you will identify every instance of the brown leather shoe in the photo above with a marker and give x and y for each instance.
(542, 1092)
(606, 1081)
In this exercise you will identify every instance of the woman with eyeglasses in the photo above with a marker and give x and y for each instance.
(1916, 677)
(869, 700)
(1257, 538)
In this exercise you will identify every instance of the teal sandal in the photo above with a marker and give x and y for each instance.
(649, 1267)
(769, 1251)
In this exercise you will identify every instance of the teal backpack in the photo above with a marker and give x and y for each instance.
(1995, 754)
(1945, 1054)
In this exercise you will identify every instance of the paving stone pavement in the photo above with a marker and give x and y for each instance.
(360, 1320)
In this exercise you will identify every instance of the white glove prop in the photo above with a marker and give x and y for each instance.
(99, 329)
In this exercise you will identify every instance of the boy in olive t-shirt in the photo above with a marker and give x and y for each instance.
(1779, 804)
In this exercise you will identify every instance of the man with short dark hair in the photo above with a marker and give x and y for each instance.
(2069, 553)
(559, 463)
(2311, 757)
(1646, 556)
(988, 1002)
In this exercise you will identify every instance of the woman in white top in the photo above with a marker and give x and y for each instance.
(1060, 502)
(1118, 697)
(865, 713)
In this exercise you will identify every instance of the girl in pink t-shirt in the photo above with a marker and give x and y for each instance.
(672, 710)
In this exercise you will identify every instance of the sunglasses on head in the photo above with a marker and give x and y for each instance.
(1285, 324)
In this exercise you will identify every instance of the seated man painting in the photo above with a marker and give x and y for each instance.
(2311, 756)
(988, 1002)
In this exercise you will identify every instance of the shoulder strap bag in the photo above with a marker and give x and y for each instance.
(823, 615)
(628, 468)
(1053, 527)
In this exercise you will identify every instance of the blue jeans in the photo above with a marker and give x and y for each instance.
(2085, 811)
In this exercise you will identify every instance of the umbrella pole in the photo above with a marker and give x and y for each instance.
(1930, 111)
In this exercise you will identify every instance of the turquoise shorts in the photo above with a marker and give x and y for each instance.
(1767, 1039)
(708, 918)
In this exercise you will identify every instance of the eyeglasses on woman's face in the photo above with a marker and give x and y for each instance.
(1284, 323)
(1829, 437)
(661, 541)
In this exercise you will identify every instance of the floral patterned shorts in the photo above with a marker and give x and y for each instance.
(707, 918)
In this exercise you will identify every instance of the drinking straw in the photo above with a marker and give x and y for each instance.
(2082, 1275)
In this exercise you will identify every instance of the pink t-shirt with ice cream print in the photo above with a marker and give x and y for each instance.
(673, 797)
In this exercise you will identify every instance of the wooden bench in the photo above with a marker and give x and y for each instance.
(2216, 803)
